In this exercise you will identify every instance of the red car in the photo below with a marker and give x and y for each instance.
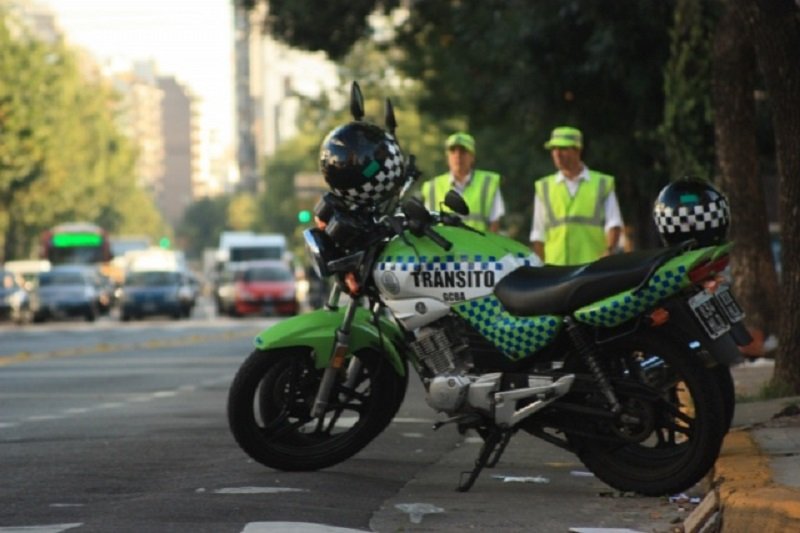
(264, 288)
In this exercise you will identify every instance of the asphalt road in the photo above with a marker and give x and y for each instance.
(121, 427)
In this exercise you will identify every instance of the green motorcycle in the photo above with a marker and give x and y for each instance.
(623, 361)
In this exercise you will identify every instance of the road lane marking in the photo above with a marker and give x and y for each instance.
(296, 527)
(104, 347)
(257, 490)
(66, 413)
(51, 528)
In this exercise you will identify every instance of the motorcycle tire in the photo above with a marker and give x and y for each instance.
(682, 406)
(270, 401)
(725, 382)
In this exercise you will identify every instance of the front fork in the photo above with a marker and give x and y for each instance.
(340, 349)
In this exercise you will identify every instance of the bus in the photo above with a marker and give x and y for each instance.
(76, 243)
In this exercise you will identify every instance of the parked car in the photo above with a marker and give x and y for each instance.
(263, 288)
(14, 300)
(67, 291)
(156, 292)
(27, 270)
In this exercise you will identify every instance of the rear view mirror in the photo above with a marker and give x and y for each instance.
(456, 203)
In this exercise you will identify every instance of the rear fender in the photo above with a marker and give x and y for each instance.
(670, 278)
(317, 331)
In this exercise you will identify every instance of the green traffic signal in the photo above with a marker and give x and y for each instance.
(304, 216)
(164, 243)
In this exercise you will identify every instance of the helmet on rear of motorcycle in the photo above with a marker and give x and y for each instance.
(362, 164)
(691, 208)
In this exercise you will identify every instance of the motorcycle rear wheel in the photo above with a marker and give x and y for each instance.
(270, 401)
(685, 411)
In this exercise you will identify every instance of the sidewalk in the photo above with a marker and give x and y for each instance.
(758, 472)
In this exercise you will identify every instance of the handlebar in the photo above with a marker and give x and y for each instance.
(438, 239)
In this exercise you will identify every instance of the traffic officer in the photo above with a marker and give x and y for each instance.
(479, 188)
(576, 216)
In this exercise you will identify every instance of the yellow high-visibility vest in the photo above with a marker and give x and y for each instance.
(479, 196)
(574, 225)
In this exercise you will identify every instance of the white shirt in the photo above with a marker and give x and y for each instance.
(612, 213)
(498, 206)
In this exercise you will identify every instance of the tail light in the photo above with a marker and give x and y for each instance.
(709, 269)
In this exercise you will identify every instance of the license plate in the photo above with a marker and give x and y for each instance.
(729, 305)
(708, 314)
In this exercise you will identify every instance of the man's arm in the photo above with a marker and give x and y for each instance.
(538, 228)
(612, 239)
(538, 249)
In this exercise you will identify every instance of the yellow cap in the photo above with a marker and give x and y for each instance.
(465, 140)
(565, 137)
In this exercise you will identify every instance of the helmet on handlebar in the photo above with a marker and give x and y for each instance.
(362, 164)
(691, 208)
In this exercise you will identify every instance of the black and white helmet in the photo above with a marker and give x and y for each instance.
(691, 208)
(362, 164)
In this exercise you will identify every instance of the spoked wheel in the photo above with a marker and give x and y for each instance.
(672, 423)
(270, 402)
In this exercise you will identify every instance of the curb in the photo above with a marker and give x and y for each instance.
(750, 499)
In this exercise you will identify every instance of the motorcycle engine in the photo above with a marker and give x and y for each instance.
(444, 353)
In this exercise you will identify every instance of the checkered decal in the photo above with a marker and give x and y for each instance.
(622, 307)
(408, 263)
(517, 337)
(383, 184)
(691, 218)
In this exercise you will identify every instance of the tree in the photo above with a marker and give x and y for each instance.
(202, 224)
(62, 156)
(775, 28)
(734, 83)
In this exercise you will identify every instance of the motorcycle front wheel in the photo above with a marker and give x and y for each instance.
(270, 402)
(674, 418)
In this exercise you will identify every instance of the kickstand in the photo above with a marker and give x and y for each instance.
(489, 456)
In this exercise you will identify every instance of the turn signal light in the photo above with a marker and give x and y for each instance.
(659, 317)
(352, 283)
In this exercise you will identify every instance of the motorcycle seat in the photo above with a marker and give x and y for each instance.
(561, 290)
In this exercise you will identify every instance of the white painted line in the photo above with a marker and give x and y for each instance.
(413, 435)
(67, 504)
(39, 418)
(165, 394)
(402, 420)
(52, 528)
(257, 490)
(110, 405)
(76, 410)
(295, 527)
(8, 425)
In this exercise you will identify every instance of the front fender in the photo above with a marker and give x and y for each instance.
(317, 330)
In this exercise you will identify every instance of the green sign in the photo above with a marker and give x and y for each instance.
(72, 240)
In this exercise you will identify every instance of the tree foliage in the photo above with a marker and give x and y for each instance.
(202, 224)
(511, 70)
(687, 131)
(336, 25)
(62, 157)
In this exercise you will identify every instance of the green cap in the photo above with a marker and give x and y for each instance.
(462, 139)
(565, 137)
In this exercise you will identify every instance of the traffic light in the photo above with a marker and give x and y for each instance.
(304, 216)
(164, 243)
